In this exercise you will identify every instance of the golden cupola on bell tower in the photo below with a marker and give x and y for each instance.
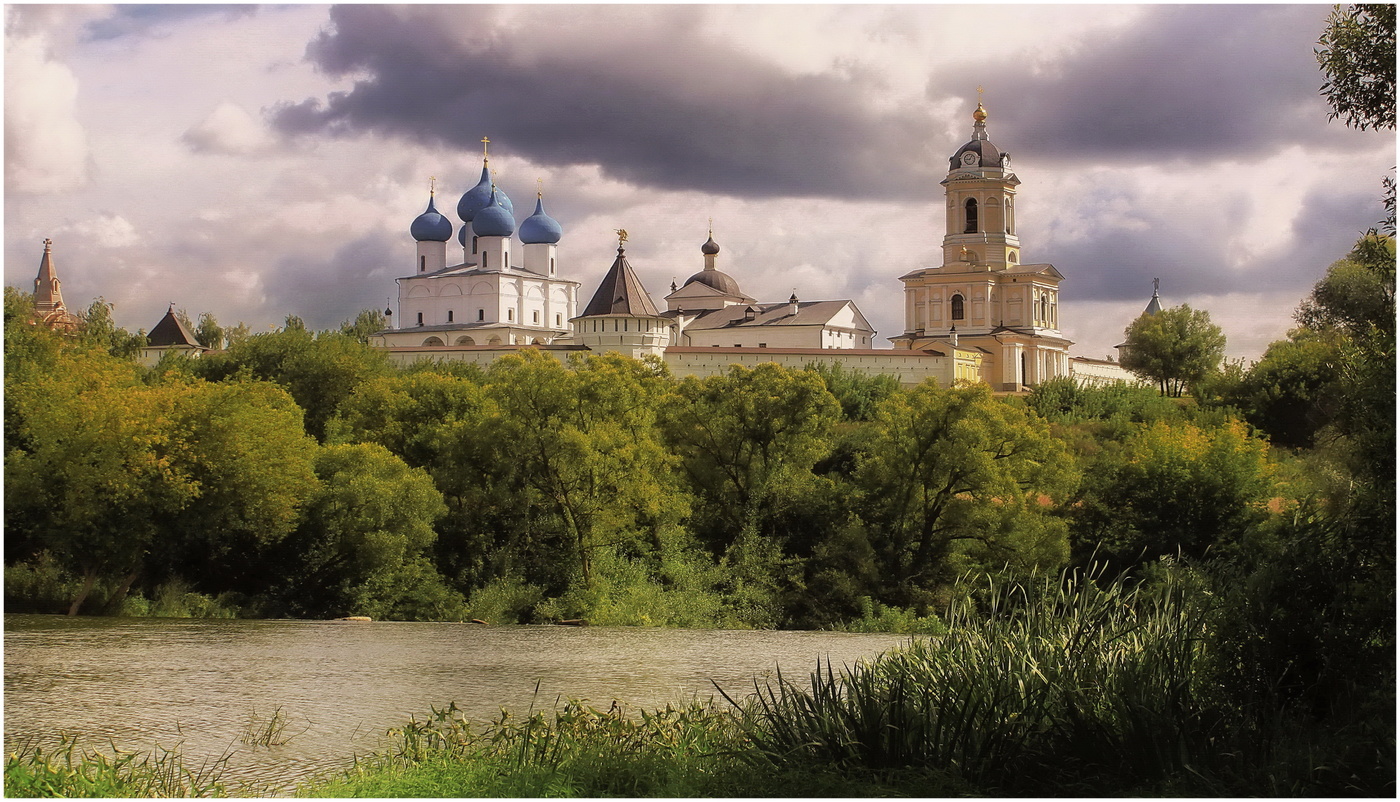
(980, 194)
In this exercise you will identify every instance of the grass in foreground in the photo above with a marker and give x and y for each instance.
(66, 770)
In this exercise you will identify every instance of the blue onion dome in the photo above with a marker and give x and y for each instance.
(493, 221)
(540, 227)
(479, 197)
(710, 247)
(430, 226)
(463, 232)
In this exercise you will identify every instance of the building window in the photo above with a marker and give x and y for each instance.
(551, 265)
(971, 206)
(473, 244)
(957, 304)
(486, 260)
(537, 316)
(481, 314)
(422, 264)
(763, 345)
(420, 318)
(449, 316)
(510, 315)
(558, 320)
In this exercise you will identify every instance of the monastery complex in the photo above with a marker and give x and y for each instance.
(983, 315)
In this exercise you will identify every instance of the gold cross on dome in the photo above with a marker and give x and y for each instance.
(539, 187)
(979, 95)
(432, 184)
(486, 140)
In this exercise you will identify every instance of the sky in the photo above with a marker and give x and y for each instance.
(258, 161)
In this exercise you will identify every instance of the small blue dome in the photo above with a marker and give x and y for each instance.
(540, 227)
(430, 226)
(462, 234)
(479, 197)
(493, 221)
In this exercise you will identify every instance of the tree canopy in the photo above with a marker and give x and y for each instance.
(1175, 348)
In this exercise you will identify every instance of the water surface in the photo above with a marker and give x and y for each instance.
(139, 682)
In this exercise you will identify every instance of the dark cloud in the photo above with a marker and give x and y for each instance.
(656, 104)
(156, 20)
(1188, 82)
(327, 293)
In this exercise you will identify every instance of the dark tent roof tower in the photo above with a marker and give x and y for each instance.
(621, 293)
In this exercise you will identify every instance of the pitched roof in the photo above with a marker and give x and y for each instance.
(621, 293)
(809, 313)
(170, 331)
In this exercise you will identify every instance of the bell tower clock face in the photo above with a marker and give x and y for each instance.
(969, 158)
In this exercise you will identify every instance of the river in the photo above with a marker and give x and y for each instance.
(139, 682)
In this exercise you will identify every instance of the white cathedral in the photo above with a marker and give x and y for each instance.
(983, 315)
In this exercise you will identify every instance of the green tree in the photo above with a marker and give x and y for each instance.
(954, 479)
(367, 322)
(369, 522)
(1171, 488)
(1293, 392)
(243, 446)
(100, 329)
(1176, 348)
(748, 441)
(1357, 56)
(320, 371)
(583, 441)
(89, 474)
(209, 333)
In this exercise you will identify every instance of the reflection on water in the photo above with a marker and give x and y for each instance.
(141, 682)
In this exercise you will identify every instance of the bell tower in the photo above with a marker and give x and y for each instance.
(980, 195)
(982, 296)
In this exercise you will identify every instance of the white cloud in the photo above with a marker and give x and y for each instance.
(229, 129)
(46, 148)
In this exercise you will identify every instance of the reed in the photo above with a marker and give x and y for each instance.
(270, 731)
(1062, 680)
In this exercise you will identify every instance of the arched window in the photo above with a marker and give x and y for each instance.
(971, 207)
(1045, 309)
(481, 314)
(434, 341)
(422, 264)
(465, 341)
(473, 244)
(957, 304)
(420, 318)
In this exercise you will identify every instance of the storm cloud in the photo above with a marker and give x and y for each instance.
(637, 91)
(1184, 82)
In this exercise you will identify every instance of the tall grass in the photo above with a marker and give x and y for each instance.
(1061, 680)
(66, 770)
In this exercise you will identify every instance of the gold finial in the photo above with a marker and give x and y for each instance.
(486, 140)
(432, 184)
(621, 236)
(48, 243)
(980, 115)
(539, 187)
(712, 228)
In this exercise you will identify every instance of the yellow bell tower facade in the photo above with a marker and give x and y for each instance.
(982, 296)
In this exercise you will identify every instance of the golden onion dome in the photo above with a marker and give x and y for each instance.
(980, 114)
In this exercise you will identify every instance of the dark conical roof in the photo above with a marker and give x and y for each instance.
(621, 293)
(170, 331)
